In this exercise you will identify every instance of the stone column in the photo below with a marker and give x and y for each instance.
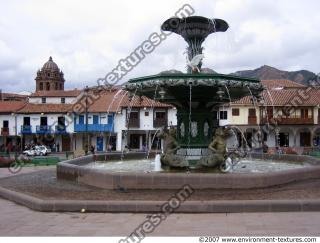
(140, 142)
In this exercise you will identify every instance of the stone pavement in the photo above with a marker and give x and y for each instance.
(17, 220)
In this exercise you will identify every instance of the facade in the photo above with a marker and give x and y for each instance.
(287, 116)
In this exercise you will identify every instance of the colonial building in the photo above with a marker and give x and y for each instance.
(287, 116)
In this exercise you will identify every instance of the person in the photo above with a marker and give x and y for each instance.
(54, 147)
(144, 148)
(58, 147)
(92, 148)
(265, 148)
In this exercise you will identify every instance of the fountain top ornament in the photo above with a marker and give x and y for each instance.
(194, 27)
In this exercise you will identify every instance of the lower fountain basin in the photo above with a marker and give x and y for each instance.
(135, 172)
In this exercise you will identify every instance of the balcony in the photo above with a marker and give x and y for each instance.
(288, 120)
(60, 129)
(252, 120)
(93, 127)
(5, 131)
(43, 129)
(160, 122)
(26, 129)
(134, 122)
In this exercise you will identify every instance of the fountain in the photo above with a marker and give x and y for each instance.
(195, 151)
(195, 95)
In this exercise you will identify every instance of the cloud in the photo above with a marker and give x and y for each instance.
(88, 38)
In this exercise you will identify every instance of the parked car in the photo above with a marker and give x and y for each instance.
(42, 150)
(37, 150)
(29, 152)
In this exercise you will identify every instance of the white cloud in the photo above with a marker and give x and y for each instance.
(87, 38)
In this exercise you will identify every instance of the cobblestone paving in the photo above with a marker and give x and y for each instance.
(17, 220)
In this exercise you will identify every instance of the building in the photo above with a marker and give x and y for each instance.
(49, 77)
(287, 116)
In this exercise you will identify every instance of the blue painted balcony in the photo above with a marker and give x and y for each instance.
(60, 129)
(26, 129)
(43, 129)
(94, 127)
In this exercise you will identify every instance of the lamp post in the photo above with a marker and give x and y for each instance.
(15, 134)
(86, 90)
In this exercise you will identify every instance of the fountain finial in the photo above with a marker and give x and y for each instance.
(194, 30)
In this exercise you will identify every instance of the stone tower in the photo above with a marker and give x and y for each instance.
(49, 77)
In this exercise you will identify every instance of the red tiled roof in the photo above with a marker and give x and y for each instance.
(10, 106)
(301, 97)
(279, 83)
(57, 93)
(45, 108)
(109, 101)
(143, 102)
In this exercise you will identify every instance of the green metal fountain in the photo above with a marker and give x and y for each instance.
(196, 96)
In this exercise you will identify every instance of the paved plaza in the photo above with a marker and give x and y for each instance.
(17, 220)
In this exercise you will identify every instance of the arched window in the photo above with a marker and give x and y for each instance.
(48, 86)
(41, 86)
(60, 86)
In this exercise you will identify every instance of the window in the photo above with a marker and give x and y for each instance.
(270, 112)
(43, 100)
(252, 112)
(6, 124)
(305, 138)
(41, 86)
(304, 113)
(146, 113)
(26, 121)
(48, 74)
(95, 119)
(48, 86)
(283, 139)
(235, 112)
(63, 100)
(61, 123)
(43, 121)
(160, 115)
(81, 119)
(223, 115)
(134, 115)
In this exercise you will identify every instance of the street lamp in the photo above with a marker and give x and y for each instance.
(15, 133)
(86, 90)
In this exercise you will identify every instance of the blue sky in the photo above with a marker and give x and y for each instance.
(88, 38)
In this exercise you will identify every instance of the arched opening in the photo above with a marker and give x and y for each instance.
(41, 86)
(48, 86)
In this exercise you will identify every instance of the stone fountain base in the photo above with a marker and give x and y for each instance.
(74, 170)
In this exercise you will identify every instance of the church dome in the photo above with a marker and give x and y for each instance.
(50, 65)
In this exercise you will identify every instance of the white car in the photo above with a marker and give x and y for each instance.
(38, 150)
(42, 150)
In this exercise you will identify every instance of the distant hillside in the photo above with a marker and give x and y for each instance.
(267, 72)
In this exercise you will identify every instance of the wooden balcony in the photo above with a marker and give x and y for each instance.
(252, 120)
(160, 122)
(288, 120)
(5, 131)
(134, 123)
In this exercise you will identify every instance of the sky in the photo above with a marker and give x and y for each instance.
(87, 38)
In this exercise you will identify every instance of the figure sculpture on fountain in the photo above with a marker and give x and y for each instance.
(217, 149)
(171, 146)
